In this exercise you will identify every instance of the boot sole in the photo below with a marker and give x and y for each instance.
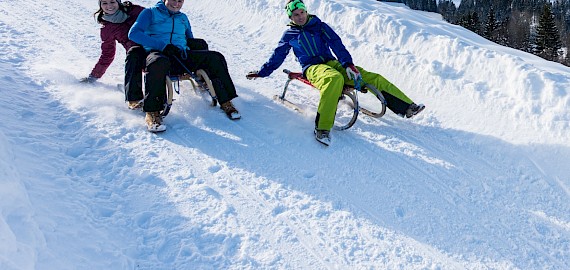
(320, 141)
(157, 129)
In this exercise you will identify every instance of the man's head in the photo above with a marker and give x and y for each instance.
(297, 11)
(174, 5)
(293, 5)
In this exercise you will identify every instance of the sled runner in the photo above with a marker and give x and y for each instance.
(200, 83)
(348, 104)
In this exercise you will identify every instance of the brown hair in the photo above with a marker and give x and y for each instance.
(99, 13)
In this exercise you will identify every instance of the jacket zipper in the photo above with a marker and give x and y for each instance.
(172, 31)
(309, 44)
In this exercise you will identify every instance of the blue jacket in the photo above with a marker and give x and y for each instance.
(157, 26)
(311, 43)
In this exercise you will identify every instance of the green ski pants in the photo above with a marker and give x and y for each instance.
(330, 78)
(329, 82)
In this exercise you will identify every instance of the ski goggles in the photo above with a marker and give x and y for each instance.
(294, 5)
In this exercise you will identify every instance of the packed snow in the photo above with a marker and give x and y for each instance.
(479, 180)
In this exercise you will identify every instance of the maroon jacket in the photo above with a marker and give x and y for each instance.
(111, 33)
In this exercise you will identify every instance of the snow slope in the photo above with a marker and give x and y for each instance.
(479, 180)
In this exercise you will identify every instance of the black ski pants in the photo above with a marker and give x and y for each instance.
(215, 65)
(134, 65)
(158, 66)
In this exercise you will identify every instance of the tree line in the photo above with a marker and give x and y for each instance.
(540, 27)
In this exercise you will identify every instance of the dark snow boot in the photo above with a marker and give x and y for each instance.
(154, 122)
(230, 110)
(323, 136)
(414, 109)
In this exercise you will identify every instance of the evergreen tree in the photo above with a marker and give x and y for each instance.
(490, 26)
(548, 43)
(464, 11)
(518, 30)
(447, 10)
(431, 6)
(501, 33)
(413, 4)
(471, 22)
(532, 46)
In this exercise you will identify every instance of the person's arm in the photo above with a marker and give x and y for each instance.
(337, 46)
(189, 30)
(136, 10)
(137, 32)
(108, 47)
(277, 58)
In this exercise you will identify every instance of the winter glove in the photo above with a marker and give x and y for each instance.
(352, 72)
(171, 50)
(88, 79)
(197, 44)
(252, 75)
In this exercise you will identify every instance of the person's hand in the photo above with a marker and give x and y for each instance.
(252, 75)
(352, 72)
(88, 79)
(171, 50)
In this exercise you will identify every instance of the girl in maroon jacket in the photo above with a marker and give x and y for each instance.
(116, 19)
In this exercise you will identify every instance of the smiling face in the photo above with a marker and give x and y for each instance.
(299, 17)
(109, 7)
(174, 5)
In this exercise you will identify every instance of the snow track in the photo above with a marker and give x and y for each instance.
(83, 183)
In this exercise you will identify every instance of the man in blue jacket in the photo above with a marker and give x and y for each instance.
(312, 41)
(163, 31)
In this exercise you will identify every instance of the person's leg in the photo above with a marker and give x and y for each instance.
(216, 67)
(397, 101)
(134, 64)
(330, 83)
(157, 67)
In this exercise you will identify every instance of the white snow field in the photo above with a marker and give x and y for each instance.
(479, 180)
